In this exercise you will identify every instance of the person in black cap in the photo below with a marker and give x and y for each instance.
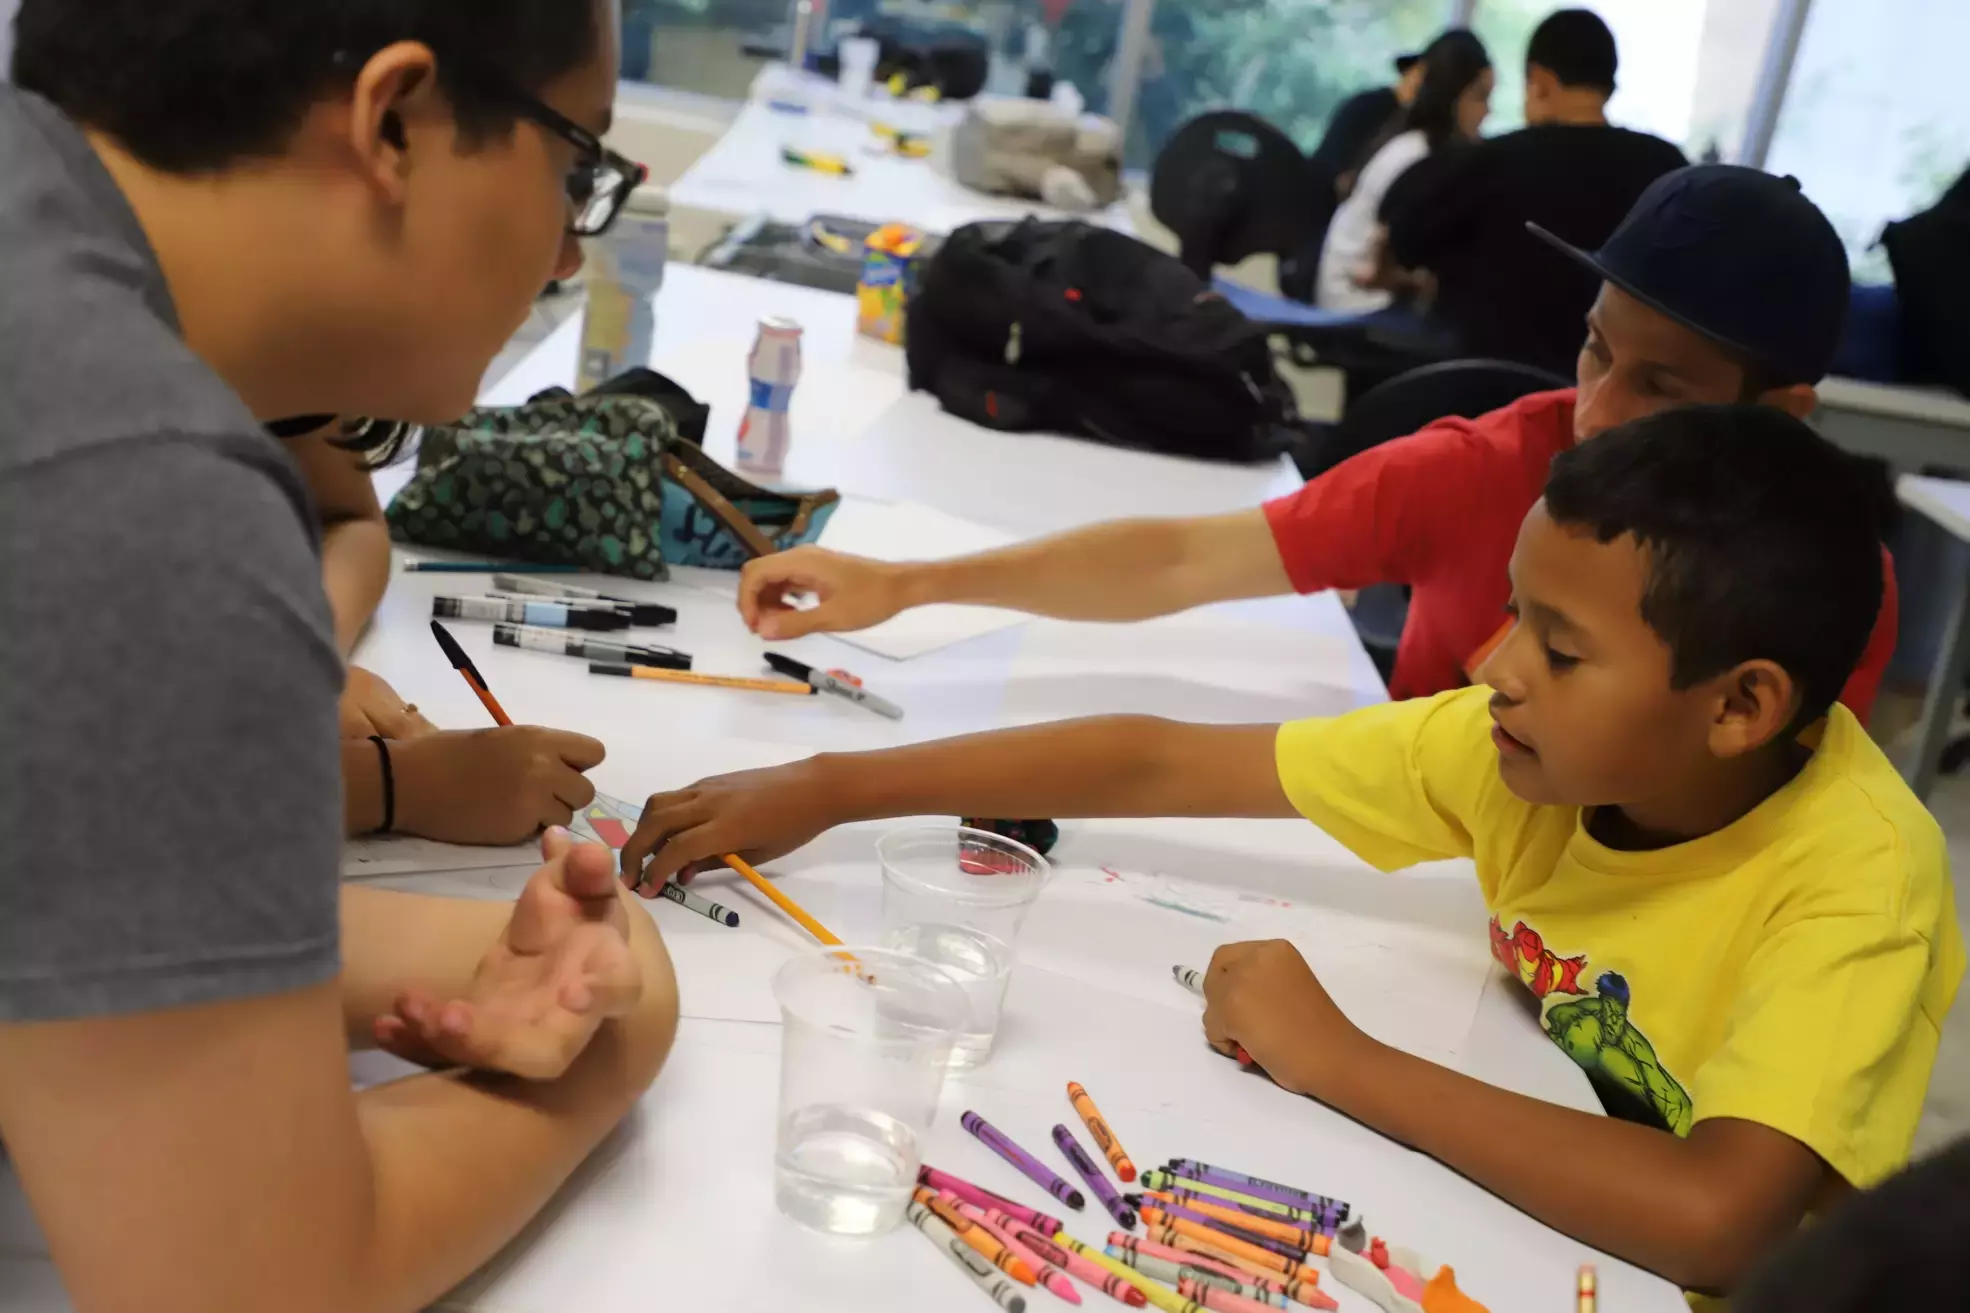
(1462, 213)
(1723, 284)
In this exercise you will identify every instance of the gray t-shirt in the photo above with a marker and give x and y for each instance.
(170, 787)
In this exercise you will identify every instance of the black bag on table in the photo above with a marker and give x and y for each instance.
(1068, 328)
(1931, 257)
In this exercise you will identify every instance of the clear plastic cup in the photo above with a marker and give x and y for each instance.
(865, 1045)
(858, 56)
(957, 897)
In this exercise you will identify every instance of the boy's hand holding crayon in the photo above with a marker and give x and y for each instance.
(564, 964)
(1262, 997)
(492, 786)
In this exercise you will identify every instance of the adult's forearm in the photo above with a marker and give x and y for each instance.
(355, 572)
(1633, 1191)
(362, 787)
(1104, 766)
(461, 1162)
(1123, 570)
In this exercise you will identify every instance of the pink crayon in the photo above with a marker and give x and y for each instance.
(1050, 1274)
(1094, 1274)
(979, 1197)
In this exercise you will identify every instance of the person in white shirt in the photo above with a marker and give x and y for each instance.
(1450, 107)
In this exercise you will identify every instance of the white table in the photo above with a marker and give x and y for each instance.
(1947, 502)
(744, 174)
(1910, 428)
(676, 1211)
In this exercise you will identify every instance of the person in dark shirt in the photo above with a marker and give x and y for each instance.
(1358, 123)
(1463, 215)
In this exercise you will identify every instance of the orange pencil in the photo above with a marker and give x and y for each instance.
(784, 903)
(463, 665)
(1104, 1139)
(706, 681)
(1265, 1226)
(987, 1246)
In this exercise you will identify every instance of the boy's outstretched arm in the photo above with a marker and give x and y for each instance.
(1106, 766)
(1700, 1210)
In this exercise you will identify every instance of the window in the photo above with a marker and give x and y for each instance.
(1874, 124)
(1288, 61)
(1689, 68)
(711, 47)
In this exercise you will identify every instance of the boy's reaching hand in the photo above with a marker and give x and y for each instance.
(562, 967)
(1262, 997)
(758, 814)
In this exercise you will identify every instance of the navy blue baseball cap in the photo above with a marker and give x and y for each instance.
(1737, 255)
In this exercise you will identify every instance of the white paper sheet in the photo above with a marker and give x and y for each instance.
(906, 531)
(608, 821)
(1123, 931)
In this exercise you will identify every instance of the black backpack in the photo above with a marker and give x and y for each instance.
(1931, 257)
(1067, 328)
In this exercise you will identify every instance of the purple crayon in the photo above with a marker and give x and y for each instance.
(1032, 1168)
(1279, 1247)
(1121, 1212)
(1252, 1185)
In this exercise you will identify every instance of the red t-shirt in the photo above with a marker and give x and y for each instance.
(1440, 511)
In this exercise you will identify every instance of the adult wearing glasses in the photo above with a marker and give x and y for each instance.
(214, 214)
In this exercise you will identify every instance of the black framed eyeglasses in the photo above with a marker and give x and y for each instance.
(600, 183)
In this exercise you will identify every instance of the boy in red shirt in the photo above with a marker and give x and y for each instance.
(1723, 284)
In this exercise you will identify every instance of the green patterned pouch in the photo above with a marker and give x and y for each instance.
(604, 481)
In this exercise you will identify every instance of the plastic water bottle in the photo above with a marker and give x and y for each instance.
(775, 365)
(625, 272)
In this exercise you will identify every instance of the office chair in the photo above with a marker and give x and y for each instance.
(1461, 388)
(1230, 185)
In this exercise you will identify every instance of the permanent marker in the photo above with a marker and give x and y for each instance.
(553, 615)
(823, 682)
(484, 567)
(565, 644)
(641, 613)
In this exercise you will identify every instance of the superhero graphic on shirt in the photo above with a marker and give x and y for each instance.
(1594, 1030)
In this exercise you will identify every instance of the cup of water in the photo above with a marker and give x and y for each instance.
(866, 1040)
(957, 897)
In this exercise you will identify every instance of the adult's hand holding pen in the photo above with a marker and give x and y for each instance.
(492, 786)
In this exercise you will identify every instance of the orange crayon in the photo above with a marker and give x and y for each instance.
(1163, 1235)
(1104, 1139)
(981, 1241)
(1230, 1244)
(1272, 1229)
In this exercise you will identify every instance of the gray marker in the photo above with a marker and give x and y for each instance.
(821, 681)
(1190, 978)
(641, 613)
(561, 644)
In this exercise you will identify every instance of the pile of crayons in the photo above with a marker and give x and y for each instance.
(1218, 1241)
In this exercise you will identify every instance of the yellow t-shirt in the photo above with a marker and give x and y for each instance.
(1792, 969)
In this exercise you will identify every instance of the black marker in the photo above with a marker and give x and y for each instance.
(640, 613)
(549, 640)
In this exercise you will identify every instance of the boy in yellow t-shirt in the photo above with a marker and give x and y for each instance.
(1737, 918)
